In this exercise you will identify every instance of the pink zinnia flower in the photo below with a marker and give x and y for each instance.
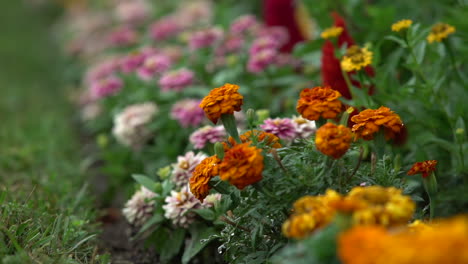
(176, 80)
(188, 112)
(139, 209)
(263, 43)
(261, 60)
(155, 64)
(165, 28)
(243, 24)
(283, 128)
(278, 33)
(101, 69)
(207, 134)
(105, 87)
(205, 38)
(131, 62)
(123, 36)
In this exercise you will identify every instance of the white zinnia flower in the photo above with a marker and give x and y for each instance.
(183, 169)
(180, 204)
(304, 128)
(140, 207)
(130, 124)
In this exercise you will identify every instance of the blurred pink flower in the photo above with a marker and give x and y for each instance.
(278, 33)
(205, 38)
(140, 207)
(130, 62)
(122, 36)
(283, 128)
(176, 80)
(261, 60)
(101, 69)
(207, 134)
(263, 43)
(154, 64)
(243, 24)
(106, 86)
(165, 28)
(188, 112)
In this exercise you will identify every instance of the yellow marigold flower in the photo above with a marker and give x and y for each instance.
(439, 32)
(319, 102)
(425, 168)
(309, 214)
(384, 206)
(369, 122)
(333, 140)
(372, 205)
(202, 174)
(299, 226)
(222, 100)
(242, 165)
(356, 58)
(441, 243)
(331, 32)
(401, 25)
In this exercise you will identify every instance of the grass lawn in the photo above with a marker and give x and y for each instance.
(46, 214)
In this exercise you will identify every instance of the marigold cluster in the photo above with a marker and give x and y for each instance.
(333, 140)
(439, 32)
(331, 32)
(369, 122)
(201, 176)
(401, 25)
(373, 205)
(425, 168)
(222, 100)
(443, 242)
(242, 165)
(356, 58)
(382, 206)
(309, 214)
(319, 102)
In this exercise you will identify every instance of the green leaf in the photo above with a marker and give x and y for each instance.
(155, 219)
(206, 214)
(200, 237)
(398, 40)
(145, 181)
(171, 246)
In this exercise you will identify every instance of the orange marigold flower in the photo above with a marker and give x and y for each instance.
(319, 102)
(270, 139)
(438, 243)
(202, 174)
(242, 165)
(425, 168)
(222, 100)
(369, 122)
(333, 140)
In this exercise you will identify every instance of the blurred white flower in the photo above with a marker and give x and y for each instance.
(304, 128)
(140, 207)
(130, 124)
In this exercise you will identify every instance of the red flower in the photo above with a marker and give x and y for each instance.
(425, 168)
(331, 69)
(282, 13)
